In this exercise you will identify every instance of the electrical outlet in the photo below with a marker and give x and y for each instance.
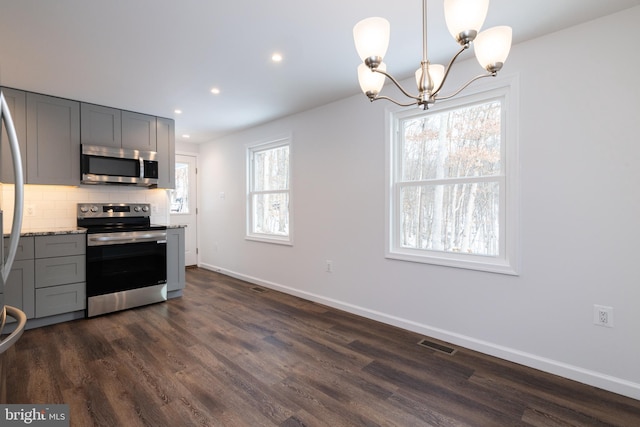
(603, 315)
(329, 268)
(30, 210)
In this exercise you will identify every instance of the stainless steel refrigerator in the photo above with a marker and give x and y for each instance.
(10, 332)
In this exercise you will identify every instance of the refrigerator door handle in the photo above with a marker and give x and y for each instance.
(17, 332)
(5, 116)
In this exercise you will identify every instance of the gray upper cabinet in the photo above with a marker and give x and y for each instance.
(100, 125)
(51, 129)
(166, 153)
(53, 140)
(138, 131)
(17, 102)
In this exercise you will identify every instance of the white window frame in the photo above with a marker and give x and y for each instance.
(507, 261)
(251, 149)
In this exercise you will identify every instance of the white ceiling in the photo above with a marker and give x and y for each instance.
(154, 56)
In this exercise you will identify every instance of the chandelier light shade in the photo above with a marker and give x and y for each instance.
(464, 16)
(371, 82)
(492, 47)
(464, 20)
(372, 38)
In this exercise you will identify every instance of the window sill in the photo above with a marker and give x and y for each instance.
(270, 239)
(478, 263)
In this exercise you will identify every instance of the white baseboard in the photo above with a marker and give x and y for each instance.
(585, 376)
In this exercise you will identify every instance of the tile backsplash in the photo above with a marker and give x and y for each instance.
(50, 207)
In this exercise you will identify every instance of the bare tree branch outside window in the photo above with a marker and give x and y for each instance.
(449, 186)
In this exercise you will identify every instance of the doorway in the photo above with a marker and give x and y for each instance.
(183, 209)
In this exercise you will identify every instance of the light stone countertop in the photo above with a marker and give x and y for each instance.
(50, 231)
(67, 230)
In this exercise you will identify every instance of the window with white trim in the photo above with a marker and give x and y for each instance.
(268, 191)
(453, 175)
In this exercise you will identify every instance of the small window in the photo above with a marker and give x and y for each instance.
(180, 195)
(453, 175)
(268, 193)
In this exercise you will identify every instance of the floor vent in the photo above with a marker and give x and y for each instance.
(438, 347)
(258, 289)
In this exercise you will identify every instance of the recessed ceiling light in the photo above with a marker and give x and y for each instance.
(215, 91)
(276, 57)
(186, 136)
(177, 111)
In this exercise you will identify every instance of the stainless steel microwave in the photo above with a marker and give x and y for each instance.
(111, 165)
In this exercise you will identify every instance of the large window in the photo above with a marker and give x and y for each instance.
(268, 192)
(452, 184)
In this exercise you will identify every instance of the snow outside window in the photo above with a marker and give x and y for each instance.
(268, 193)
(452, 184)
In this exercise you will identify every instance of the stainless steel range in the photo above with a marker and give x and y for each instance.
(126, 256)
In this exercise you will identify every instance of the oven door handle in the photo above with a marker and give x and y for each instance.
(116, 240)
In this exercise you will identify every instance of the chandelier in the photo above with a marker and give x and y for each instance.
(464, 19)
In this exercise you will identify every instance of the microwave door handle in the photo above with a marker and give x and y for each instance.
(141, 167)
(5, 116)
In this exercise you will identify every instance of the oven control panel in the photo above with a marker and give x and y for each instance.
(110, 210)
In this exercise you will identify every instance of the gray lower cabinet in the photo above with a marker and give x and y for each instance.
(60, 279)
(175, 259)
(19, 291)
(60, 299)
(20, 287)
(53, 140)
(60, 270)
(60, 245)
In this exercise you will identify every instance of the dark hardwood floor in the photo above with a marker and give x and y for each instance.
(228, 355)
